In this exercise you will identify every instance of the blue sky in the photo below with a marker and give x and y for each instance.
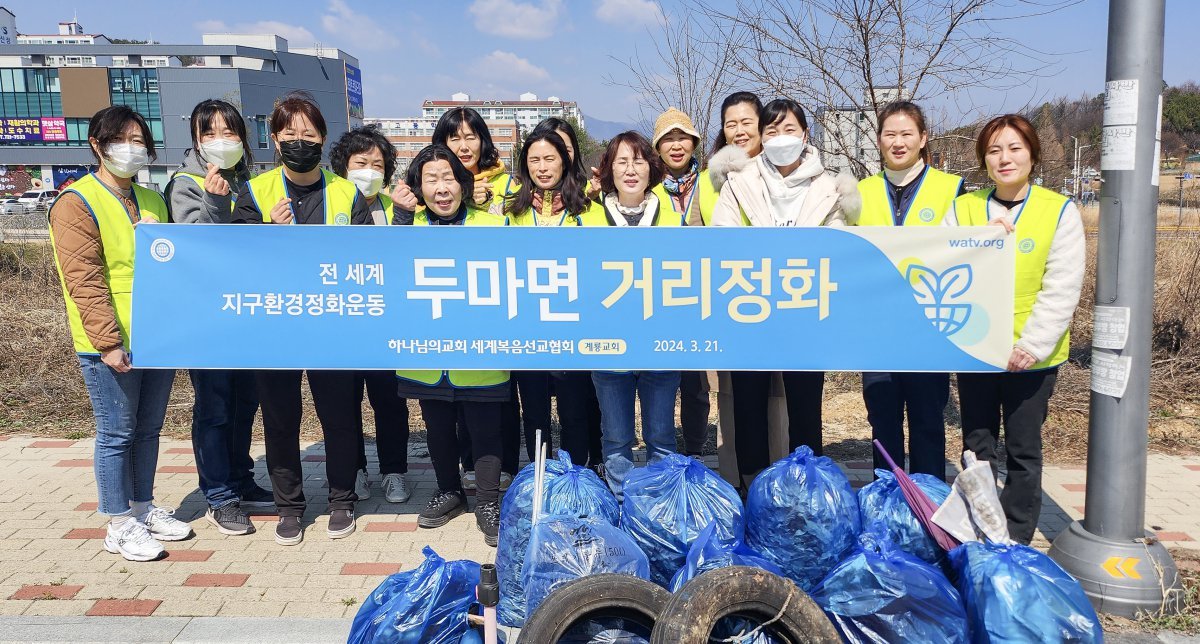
(411, 51)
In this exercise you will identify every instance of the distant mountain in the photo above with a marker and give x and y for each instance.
(602, 130)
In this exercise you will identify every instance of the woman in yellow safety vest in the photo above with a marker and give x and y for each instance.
(91, 232)
(1048, 233)
(785, 186)
(688, 192)
(300, 192)
(464, 131)
(365, 156)
(908, 192)
(443, 186)
(203, 190)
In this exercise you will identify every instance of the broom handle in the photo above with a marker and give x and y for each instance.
(883, 452)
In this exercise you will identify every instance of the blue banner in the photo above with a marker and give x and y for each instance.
(384, 297)
(354, 93)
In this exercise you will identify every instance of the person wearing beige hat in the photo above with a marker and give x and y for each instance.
(685, 189)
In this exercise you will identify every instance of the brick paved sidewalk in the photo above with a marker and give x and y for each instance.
(52, 562)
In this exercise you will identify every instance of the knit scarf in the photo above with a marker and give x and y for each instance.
(547, 206)
(683, 185)
(491, 173)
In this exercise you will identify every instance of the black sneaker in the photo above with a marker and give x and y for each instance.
(487, 518)
(230, 519)
(257, 498)
(289, 532)
(443, 507)
(341, 524)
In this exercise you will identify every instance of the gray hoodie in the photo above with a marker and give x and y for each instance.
(189, 203)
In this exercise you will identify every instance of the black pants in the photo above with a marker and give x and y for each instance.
(337, 407)
(579, 416)
(391, 421)
(482, 422)
(751, 390)
(531, 408)
(1021, 401)
(925, 395)
(694, 407)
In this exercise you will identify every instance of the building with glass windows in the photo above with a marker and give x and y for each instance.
(409, 135)
(49, 90)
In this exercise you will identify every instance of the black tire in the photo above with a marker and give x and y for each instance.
(742, 591)
(608, 595)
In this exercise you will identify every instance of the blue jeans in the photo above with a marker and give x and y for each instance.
(222, 417)
(129, 409)
(616, 391)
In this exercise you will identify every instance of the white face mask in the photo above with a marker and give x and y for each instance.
(223, 153)
(784, 149)
(368, 180)
(125, 159)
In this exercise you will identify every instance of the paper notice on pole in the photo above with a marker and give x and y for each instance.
(1118, 147)
(1110, 373)
(1154, 177)
(1121, 102)
(1110, 327)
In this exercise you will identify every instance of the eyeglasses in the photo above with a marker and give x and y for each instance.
(638, 164)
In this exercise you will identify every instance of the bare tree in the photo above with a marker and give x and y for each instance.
(846, 59)
(691, 69)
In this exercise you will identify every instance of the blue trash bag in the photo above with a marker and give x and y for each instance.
(606, 630)
(709, 553)
(1017, 594)
(802, 515)
(739, 629)
(565, 548)
(886, 514)
(668, 503)
(425, 605)
(569, 490)
(881, 593)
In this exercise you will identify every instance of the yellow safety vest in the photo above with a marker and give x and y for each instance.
(503, 185)
(703, 196)
(593, 216)
(116, 237)
(1036, 223)
(389, 208)
(457, 378)
(935, 192)
(269, 187)
(663, 216)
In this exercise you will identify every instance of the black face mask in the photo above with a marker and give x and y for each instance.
(300, 155)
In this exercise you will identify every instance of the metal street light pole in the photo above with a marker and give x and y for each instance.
(1123, 568)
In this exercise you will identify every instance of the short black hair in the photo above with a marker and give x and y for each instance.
(293, 104)
(362, 139)
(439, 152)
(735, 98)
(777, 110)
(453, 119)
(555, 124)
(570, 186)
(109, 124)
(641, 147)
(202, 118)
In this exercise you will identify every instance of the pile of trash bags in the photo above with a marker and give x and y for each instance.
(565, 548)
(709, 553)
(425, 605)
(886, 514)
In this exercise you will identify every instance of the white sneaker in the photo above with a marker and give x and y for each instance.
(395, 488)
(468, 480)
(163, 526)
(133, 541)
(362, 485)
(505, 481)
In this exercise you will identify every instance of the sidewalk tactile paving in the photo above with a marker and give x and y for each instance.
(217, 580)
(47, 591)
(124, 607)
(74, 462)
(86, 533)
(188, 555)
(392, 526)
(369, 569)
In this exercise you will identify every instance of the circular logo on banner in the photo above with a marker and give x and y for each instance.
(341, 219)
(926, 215)
(162, 250)
(1026, 245)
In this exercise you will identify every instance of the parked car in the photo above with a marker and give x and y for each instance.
(11, 206)
(34, 200)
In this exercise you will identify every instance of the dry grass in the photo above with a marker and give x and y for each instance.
(41, 390)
